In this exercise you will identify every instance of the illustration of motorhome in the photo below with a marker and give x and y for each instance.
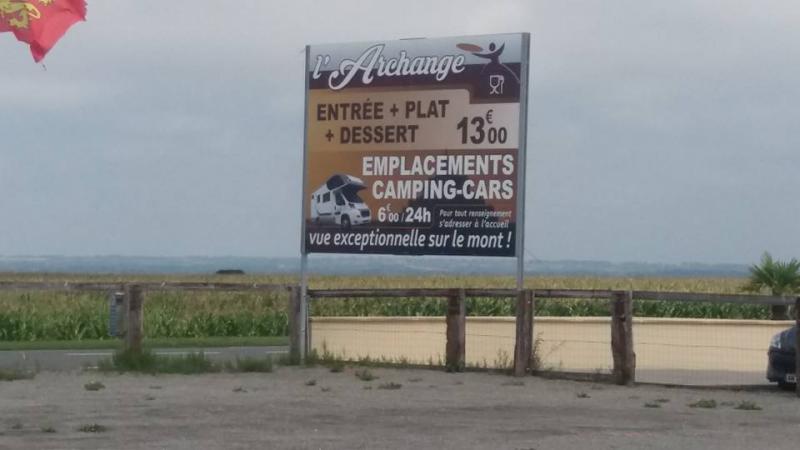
(337, 202)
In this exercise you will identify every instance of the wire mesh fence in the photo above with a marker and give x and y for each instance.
(410, 340)
(690, 351)
(382, 330)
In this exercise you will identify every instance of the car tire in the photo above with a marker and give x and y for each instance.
(786, 386)
(345, 222)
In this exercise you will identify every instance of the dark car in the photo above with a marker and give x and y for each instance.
(782, 358)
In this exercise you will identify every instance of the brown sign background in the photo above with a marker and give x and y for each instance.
(470, 115)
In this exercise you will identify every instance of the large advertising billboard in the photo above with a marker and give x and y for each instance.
(416, 146)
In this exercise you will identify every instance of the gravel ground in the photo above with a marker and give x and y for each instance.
(312, 408)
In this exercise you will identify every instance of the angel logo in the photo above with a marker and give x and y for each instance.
(19, 14)
(494, 75)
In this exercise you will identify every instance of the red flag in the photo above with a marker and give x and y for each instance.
(40, 23)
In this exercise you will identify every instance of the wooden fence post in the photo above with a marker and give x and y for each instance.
(622, 338)
(296, 338)
(116, 321)
(523, 346)
(455, 354)
(134, 313)
(797, 345)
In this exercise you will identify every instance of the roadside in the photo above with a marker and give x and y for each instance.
(76, 359)
(397, 408)
(95, 344)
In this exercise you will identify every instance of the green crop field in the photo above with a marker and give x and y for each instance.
(35, 315)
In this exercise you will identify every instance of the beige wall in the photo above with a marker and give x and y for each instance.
(565, 343)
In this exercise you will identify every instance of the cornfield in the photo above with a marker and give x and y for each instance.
(30, 315)
(33, 316)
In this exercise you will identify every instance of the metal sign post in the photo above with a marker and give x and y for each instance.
(521, 164)
(302, 351)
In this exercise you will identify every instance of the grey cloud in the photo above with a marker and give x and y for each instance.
(659, 132)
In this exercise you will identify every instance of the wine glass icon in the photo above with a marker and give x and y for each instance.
(496, 84)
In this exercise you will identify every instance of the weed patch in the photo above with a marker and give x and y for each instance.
(747, 405)
(15, 374)
(390, 386)
(148, 362)
(92, 428)
(704, 403)
(365, 375)
(94, 386)
(289, 359)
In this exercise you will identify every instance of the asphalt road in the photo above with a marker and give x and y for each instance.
(67, 360)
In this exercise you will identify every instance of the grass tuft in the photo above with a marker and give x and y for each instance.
(148, 362)
(289, 359)
(129, 361)
(652, 405)
(16, 374)
(747, 405)
(704, 403)
(92, 428)
(48, 429)
(365, 375)
(390, 386)
(94, 386)
(311, 383)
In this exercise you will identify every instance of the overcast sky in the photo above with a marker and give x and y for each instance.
(659, 131)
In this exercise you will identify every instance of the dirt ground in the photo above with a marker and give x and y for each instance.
(313, 408)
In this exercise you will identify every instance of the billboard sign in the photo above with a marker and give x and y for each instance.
(416, 146)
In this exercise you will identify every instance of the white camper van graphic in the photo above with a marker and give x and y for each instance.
(337, 201)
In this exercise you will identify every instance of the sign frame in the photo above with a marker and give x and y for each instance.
(520, 167)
